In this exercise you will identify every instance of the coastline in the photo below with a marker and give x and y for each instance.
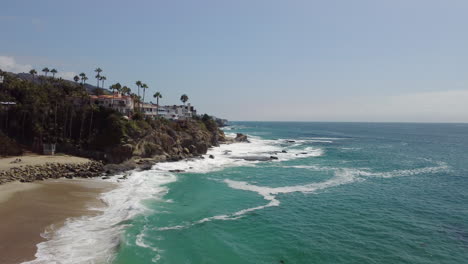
(40, 204)
(29, 209)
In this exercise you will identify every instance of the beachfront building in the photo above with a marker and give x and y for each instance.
(125, 105)
(121, 103)
(177, 112)
(149, 110)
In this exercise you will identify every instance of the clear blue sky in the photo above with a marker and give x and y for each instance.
(329, 60)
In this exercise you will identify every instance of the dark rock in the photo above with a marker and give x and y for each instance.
(211, 157)
(253, 158)
(273, 157)
(176, 171)
(202, 148)
(284, 151)
(145, 166)
(241, 138)
(290, 141)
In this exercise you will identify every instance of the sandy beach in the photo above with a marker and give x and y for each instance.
(28, 209)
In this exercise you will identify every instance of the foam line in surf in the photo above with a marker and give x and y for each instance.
(342, 176)
(94, 239)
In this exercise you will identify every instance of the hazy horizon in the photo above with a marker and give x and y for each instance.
(298, 61)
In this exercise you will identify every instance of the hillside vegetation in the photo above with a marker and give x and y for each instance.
(50, 110)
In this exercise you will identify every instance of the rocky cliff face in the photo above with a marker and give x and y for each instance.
(168, 142)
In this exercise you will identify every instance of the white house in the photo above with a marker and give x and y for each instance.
(177, 112)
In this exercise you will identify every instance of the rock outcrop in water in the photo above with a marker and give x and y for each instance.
(241, 138)
(167, 142)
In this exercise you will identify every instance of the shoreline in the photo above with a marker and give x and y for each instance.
(40, 204)
(29, 209)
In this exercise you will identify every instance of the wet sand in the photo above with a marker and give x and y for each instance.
(27, 209)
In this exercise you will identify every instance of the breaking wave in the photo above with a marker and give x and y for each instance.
(94, 239)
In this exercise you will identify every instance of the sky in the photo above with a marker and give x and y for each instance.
(259, 60)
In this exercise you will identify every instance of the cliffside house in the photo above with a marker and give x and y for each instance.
(121, 103)
(177, 112)
(125, 105)
(149, 110)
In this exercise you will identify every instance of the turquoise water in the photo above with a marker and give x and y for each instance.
(400, 195)
(342, 193)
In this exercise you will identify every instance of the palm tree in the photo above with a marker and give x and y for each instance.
(45, 71)
(103, 78)
(92, 108)
(126, 90)
(76, 78)
(157, 95)
(98, 75)
(83, 76)
(115, 87)
(144, 87)
(33, 72)
(138, 84)
(53, 71)
(136, 99)
(184, 98)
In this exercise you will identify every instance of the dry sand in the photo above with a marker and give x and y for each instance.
(27, 209)
(31, 159)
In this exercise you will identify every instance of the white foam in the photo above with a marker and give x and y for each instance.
(140, 241)
(342, 176)
(93, 239)
(230, 155)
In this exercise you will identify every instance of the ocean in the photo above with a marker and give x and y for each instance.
(338, 193)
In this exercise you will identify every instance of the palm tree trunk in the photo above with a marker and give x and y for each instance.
(157, 106)
(71, 122)
(91, 124)
(55, 123)
(22, 126)
(64, 134)
(139, 99)
(81, 126)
